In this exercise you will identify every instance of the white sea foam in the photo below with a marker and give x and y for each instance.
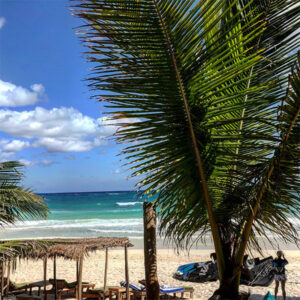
(117, 230)
(127, 203)
(80, 223)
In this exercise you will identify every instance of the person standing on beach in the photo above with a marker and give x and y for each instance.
(279, 264)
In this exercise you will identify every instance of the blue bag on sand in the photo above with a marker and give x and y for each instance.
(269, 297)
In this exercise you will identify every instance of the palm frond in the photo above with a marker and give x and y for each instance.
(277, 191)
(16, 202)
(205, 80)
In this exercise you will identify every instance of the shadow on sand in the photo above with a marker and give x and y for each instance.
(260, 297)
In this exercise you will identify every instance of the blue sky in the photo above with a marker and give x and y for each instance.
(47, 120)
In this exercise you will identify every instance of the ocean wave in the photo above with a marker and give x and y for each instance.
(127, 203)
(114, 194)
(116, 231)
(80, 223)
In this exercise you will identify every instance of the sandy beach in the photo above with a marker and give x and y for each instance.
(168, 261)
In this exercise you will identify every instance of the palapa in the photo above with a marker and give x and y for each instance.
(74, 249)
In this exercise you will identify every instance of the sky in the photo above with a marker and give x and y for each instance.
(47, 119)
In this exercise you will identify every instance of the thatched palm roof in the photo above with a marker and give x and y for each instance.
(70, 248)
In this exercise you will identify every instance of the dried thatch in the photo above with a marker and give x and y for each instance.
(72, 248)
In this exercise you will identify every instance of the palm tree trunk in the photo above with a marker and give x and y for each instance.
(230, 276)
(152, 285)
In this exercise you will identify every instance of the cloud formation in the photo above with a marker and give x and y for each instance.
(63, 129)
(2, 22)
(13, 96)
(56, 130)
(30, 163)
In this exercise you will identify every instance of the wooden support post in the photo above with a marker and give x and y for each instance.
(105, 270)
(152, 285)
(8, 277)
(45, 277)
(126, 273)
(2, 277)
(79, 283)
(77, 270)
(77, 275)
(54, 277)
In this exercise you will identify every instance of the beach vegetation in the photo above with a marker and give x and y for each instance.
(17, 204)
(207, 98)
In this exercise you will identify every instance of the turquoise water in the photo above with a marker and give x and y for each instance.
(84, 215)
(114, 214)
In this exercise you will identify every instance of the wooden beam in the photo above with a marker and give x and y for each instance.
(152, 285)
(79, 283)
(105, 270)
(54, 277)
(126, 273)
(45, 277)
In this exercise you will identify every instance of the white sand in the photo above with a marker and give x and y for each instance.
(168, 261)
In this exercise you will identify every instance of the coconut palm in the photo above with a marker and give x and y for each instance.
(17, 204)
(216, 131)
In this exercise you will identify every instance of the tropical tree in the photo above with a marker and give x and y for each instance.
(216, 135)
(17, 204)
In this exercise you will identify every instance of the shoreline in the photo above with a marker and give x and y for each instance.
(138, 243)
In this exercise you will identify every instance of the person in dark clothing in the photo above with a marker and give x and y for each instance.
(213, 257)
(279, 264)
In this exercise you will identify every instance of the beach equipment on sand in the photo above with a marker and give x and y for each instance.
(268, 297)
(259, 272)
(18, 288)
(62, 287)
(140, 290)
(101, 293)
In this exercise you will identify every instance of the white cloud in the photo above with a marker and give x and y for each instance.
(55, 123)
(27, 163)
(66, 144)
(30, 163)
(2, 22)
(38, 88)
(15, 146)
(57, 130)
(12, 95)
(8, 148)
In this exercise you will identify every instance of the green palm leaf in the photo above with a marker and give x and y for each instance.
(203, 81)
(17, 203)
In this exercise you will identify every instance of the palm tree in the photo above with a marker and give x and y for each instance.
(17, 204)
(216, 131)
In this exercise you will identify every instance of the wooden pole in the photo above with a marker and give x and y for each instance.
(54, 277)
(152, 285)
(8, 277)
(77, 270)
(2, 277)
(105, 270)
(79, 283)
(126, 273)
(45, 277)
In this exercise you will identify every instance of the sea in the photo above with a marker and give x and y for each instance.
(88, 214)
(93, 214)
